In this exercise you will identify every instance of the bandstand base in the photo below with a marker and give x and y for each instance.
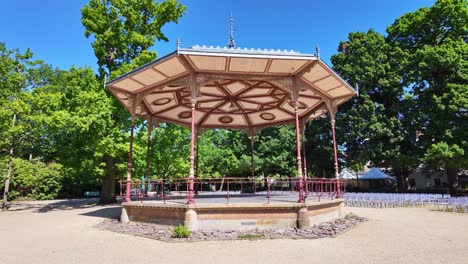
(239, 216)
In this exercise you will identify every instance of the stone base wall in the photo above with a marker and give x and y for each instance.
(233, 216)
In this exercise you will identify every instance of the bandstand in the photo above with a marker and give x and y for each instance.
(246, 89)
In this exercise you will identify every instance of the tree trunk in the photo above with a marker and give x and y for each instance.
(400, 180)
(357, 181)
(108, 184)
(452, 177)
(10, 170)
(222, 183)
(405, 175)
(402, 175)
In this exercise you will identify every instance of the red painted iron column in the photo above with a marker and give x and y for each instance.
(191, 178)
(130, 163)
(336, 157)
(197, 142)
(299, 163)
(304, 156)
(252, 153)
(148, 155)
(305, 163)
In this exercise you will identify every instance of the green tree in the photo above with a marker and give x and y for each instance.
(276, 148)
(216, 154)
(92, 143)
(13, 85)
(123, 32)
(372, 124)
(319, 148)
(170, 151)
(33, 179)
(124, 29)
(433, 51)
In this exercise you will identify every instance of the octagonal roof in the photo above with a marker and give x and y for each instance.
(233, 88)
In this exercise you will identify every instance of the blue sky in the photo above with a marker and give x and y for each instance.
(53, 30)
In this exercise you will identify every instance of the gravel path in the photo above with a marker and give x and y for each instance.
(45, 233)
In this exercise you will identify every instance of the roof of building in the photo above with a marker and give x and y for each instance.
(232, 87)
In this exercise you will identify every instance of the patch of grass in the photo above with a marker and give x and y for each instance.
(250, 236)
(181, 232)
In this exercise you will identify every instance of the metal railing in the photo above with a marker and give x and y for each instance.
(229, 187)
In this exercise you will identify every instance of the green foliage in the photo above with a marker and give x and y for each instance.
(276, 148)
(181, 232)
(412, 81)
(442, 154)
(170, 152)
(71, 135)
(14, 79)
(217, 155)
(33, 179)
(370, 123)
(124, 29)
(433, 43)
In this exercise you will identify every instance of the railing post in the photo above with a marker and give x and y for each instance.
(269, 187)
(227, 188)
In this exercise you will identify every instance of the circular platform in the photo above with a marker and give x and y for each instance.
(236, 212)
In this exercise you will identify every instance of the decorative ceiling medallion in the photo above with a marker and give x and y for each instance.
(300, 105)
(267, 116)
(225, 119)
(184, 115)
(162, 101)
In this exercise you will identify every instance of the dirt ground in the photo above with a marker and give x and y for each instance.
(62, 232)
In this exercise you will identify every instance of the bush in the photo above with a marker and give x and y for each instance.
(48, 181)
(33, 179)
(181, 232)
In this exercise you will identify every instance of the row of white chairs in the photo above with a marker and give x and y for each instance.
(388, 200)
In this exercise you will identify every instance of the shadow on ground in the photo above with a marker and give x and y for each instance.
(48, 206)
(67, 205)
(108, 212)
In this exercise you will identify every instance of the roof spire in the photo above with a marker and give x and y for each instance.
(317, 50)
(231, 44)
(178, 45)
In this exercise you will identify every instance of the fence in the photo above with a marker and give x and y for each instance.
(229, 187)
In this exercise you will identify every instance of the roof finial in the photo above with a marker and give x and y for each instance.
(231, 44)
(317, 50)
(178, 43)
